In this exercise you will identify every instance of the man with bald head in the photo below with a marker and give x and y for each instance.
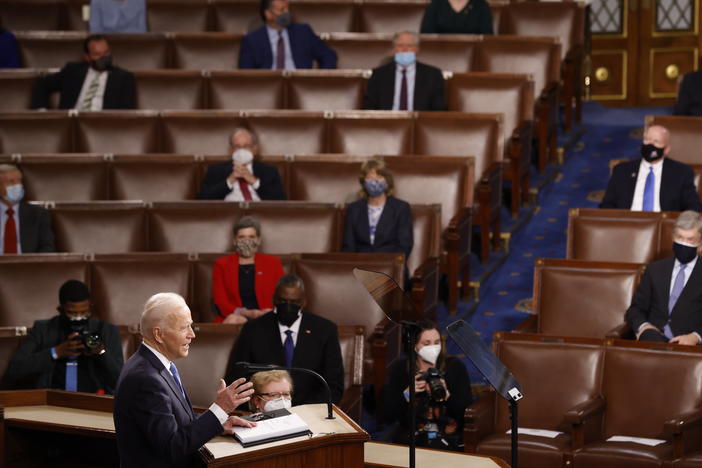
(655, 182)
(154, 420)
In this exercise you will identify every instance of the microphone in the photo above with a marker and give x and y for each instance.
(249, 367)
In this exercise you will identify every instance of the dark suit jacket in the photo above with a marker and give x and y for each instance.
(36, 234)
(678, 191)
(650, 303)
(317, 349)
(305, 45)
(690, 95)
(214, 185)
(120, 89)
(33, 367)
(392, 235)
(429, 92)
(155, 424)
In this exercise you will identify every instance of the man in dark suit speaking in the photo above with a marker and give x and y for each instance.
(154, 420)
(242, 179)
(654, 182)
(290, 337)
(405, 83)
(281, 44)
(667, 304)
(93, 84)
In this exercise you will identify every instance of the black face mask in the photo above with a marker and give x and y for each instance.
(71, 326)
(286, 312)
(684, 253)
(651, 152)
(102, 64)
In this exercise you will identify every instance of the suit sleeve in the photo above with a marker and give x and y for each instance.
(45, 232)
(458, 384)
(689, 198)
(271, 186)
(32, 359)
(438, 98)
(371, 99)
(240, 352)
(349, 243)
(638, 311)
(214, 185)
(404, 231)
(128, 91)
(321, 52)
(334, 365)
(246, 54)
(685, 97)
(109, 364)
(396, 407)
(44, 86)
(429, 20)
(611, 196)
(219, 291)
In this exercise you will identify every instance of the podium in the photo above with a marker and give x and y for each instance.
(81, 425)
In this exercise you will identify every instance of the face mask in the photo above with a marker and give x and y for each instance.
(102, 64)
(685, 253)
(246, 248)
(651, 152)
(375, 187)
(279, 403)
(242, 156)
(74, 324)
(287, 313)
(430, 353)
(405, 59)
(14, 193)
(284, 19)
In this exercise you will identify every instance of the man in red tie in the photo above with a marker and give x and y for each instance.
(24, 228)
(243, 179)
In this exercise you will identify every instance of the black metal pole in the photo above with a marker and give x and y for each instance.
(412, 356)
(513, 417)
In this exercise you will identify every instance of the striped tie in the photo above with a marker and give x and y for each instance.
(90, 94)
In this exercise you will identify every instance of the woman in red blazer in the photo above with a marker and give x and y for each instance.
(243, 283)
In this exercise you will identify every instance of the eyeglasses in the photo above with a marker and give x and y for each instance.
(275, 395)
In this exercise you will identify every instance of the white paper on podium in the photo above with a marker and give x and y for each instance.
(636, 440)
(271, 428)
(536, 432)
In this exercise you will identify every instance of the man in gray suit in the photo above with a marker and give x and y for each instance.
(24, 228)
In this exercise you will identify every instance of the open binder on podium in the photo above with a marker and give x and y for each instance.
(398, 307)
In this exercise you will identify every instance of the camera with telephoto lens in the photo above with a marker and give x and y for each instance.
(433, 378)
(90, 340)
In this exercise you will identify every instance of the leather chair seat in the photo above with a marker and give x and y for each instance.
(622, 455)
(534, 451)
(693, 461)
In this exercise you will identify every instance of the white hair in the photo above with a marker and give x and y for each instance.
(689, 220)
(8, 168)
(157, 310)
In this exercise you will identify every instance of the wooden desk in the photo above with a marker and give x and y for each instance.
(378, 454)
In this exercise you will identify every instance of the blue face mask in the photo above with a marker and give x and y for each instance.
(14, 193)
(405, 59)
(374, 187)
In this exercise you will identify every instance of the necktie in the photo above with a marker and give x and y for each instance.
(678, 286)
(10, 234)
(176, 377)
(90, 94)
(72, 375)
(288, 348)
(280, 53)
(244, 186)
(649, 189)
(403, 90)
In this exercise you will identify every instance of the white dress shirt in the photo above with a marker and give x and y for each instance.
(236, 195)
(214, 407)
(295, 327)
(3, 221)
(273, 35)
(96, 102)
(411, 73)
(637, 203)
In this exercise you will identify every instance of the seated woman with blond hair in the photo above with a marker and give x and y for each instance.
(272, 391)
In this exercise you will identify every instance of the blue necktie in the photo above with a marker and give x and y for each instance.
(649, 189)
(72, 375)
(288, 348)
(678, 286)
(176, 377)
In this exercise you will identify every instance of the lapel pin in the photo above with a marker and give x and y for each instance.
(308, 331)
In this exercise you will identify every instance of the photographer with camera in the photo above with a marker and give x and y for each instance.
(70, 351)
(442, 389)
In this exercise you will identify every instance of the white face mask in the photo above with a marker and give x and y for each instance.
(242, 156)
(278, 403)
(430, 353)
(14, 193)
